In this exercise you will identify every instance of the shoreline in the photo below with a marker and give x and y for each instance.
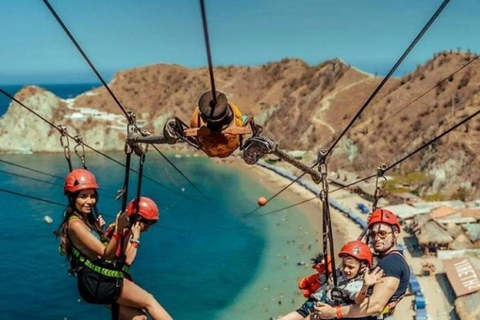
(345, 228)
(273, 292)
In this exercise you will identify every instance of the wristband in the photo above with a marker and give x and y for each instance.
(115, 236)
(135, 241)
(339, 312)
(135, 245)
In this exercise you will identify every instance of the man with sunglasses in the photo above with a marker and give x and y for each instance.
(383, 230)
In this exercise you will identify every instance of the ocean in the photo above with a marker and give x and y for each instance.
(196, 261)
(201, 261)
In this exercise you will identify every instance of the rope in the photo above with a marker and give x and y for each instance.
(209, 55)
(79, 48)
(30, 169)
(390, 73)
(86, 145)
(32, 197)
(374, 93)
(30, 178)
(417, 98)
(470, 117)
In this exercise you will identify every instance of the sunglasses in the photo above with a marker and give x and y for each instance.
(382, 234)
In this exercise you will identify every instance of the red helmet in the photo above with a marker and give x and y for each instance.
(78, 180)
(147, 208)
(383, 216)
(357, 249)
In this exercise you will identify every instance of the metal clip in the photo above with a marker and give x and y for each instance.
(79, 140)
(64, 142)
(379, 185)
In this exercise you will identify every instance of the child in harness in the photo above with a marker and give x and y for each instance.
(354, 279)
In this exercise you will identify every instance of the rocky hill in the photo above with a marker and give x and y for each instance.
(301, 106)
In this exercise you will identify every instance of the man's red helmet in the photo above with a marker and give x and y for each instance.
(357, 249)
(383, 216)
(78, 180)
(147, 208)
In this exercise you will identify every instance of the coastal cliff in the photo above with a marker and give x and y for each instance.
(300, 106)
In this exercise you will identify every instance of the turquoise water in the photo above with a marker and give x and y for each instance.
(195, 261)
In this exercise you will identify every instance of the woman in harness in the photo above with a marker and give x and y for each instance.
(354, 280)
(141, 215)
(100, 278)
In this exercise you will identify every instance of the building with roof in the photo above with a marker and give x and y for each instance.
(430, 234)
(473, 232)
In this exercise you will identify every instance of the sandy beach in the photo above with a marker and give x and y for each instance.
(275, 292)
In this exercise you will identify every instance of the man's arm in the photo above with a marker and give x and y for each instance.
(372, 305)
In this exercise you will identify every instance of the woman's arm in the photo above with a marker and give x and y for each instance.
(82, 234)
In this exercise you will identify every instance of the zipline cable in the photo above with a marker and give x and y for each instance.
(99, 76)
(64, 205)
(43, 181)
(209, 54)
(32, 197)
(31, 178)
(30, 169)
(89, 147)
(374, 93)
(465, 120)
(439, 83)
(390, 73)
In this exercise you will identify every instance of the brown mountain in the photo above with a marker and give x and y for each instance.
(301, 107)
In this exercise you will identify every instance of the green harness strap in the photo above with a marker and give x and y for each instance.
(98, 269)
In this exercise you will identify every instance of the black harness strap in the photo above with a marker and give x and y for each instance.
(328, 246)
(380, 184)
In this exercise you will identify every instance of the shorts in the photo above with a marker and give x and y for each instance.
(306, 308)
(98, 289)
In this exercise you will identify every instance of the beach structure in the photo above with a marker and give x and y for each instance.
(342, 178)
(473, 233)
(406, 214)
(430, 235)
(366, 190)
(463, 273)
(404, 197)
(436, 204)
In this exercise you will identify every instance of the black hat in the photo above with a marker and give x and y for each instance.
(218, 114)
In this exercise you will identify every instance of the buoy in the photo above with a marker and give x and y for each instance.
(262, 201)
(47, 219)
(183, 189)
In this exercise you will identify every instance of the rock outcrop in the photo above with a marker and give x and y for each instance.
(300, 106)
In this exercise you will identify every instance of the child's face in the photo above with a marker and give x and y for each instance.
(350, 267)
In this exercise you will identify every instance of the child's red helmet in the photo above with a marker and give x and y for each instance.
(383, 216)
(147, 208)
(357, 249)
(78, 180)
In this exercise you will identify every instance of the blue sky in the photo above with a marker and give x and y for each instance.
(369, 34)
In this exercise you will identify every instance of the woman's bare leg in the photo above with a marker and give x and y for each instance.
(127, 313)
(292, 316)
(135, 297)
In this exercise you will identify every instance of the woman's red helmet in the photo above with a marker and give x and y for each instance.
(78, 180)
(357, 249)
(146, 208)
(383, 216)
